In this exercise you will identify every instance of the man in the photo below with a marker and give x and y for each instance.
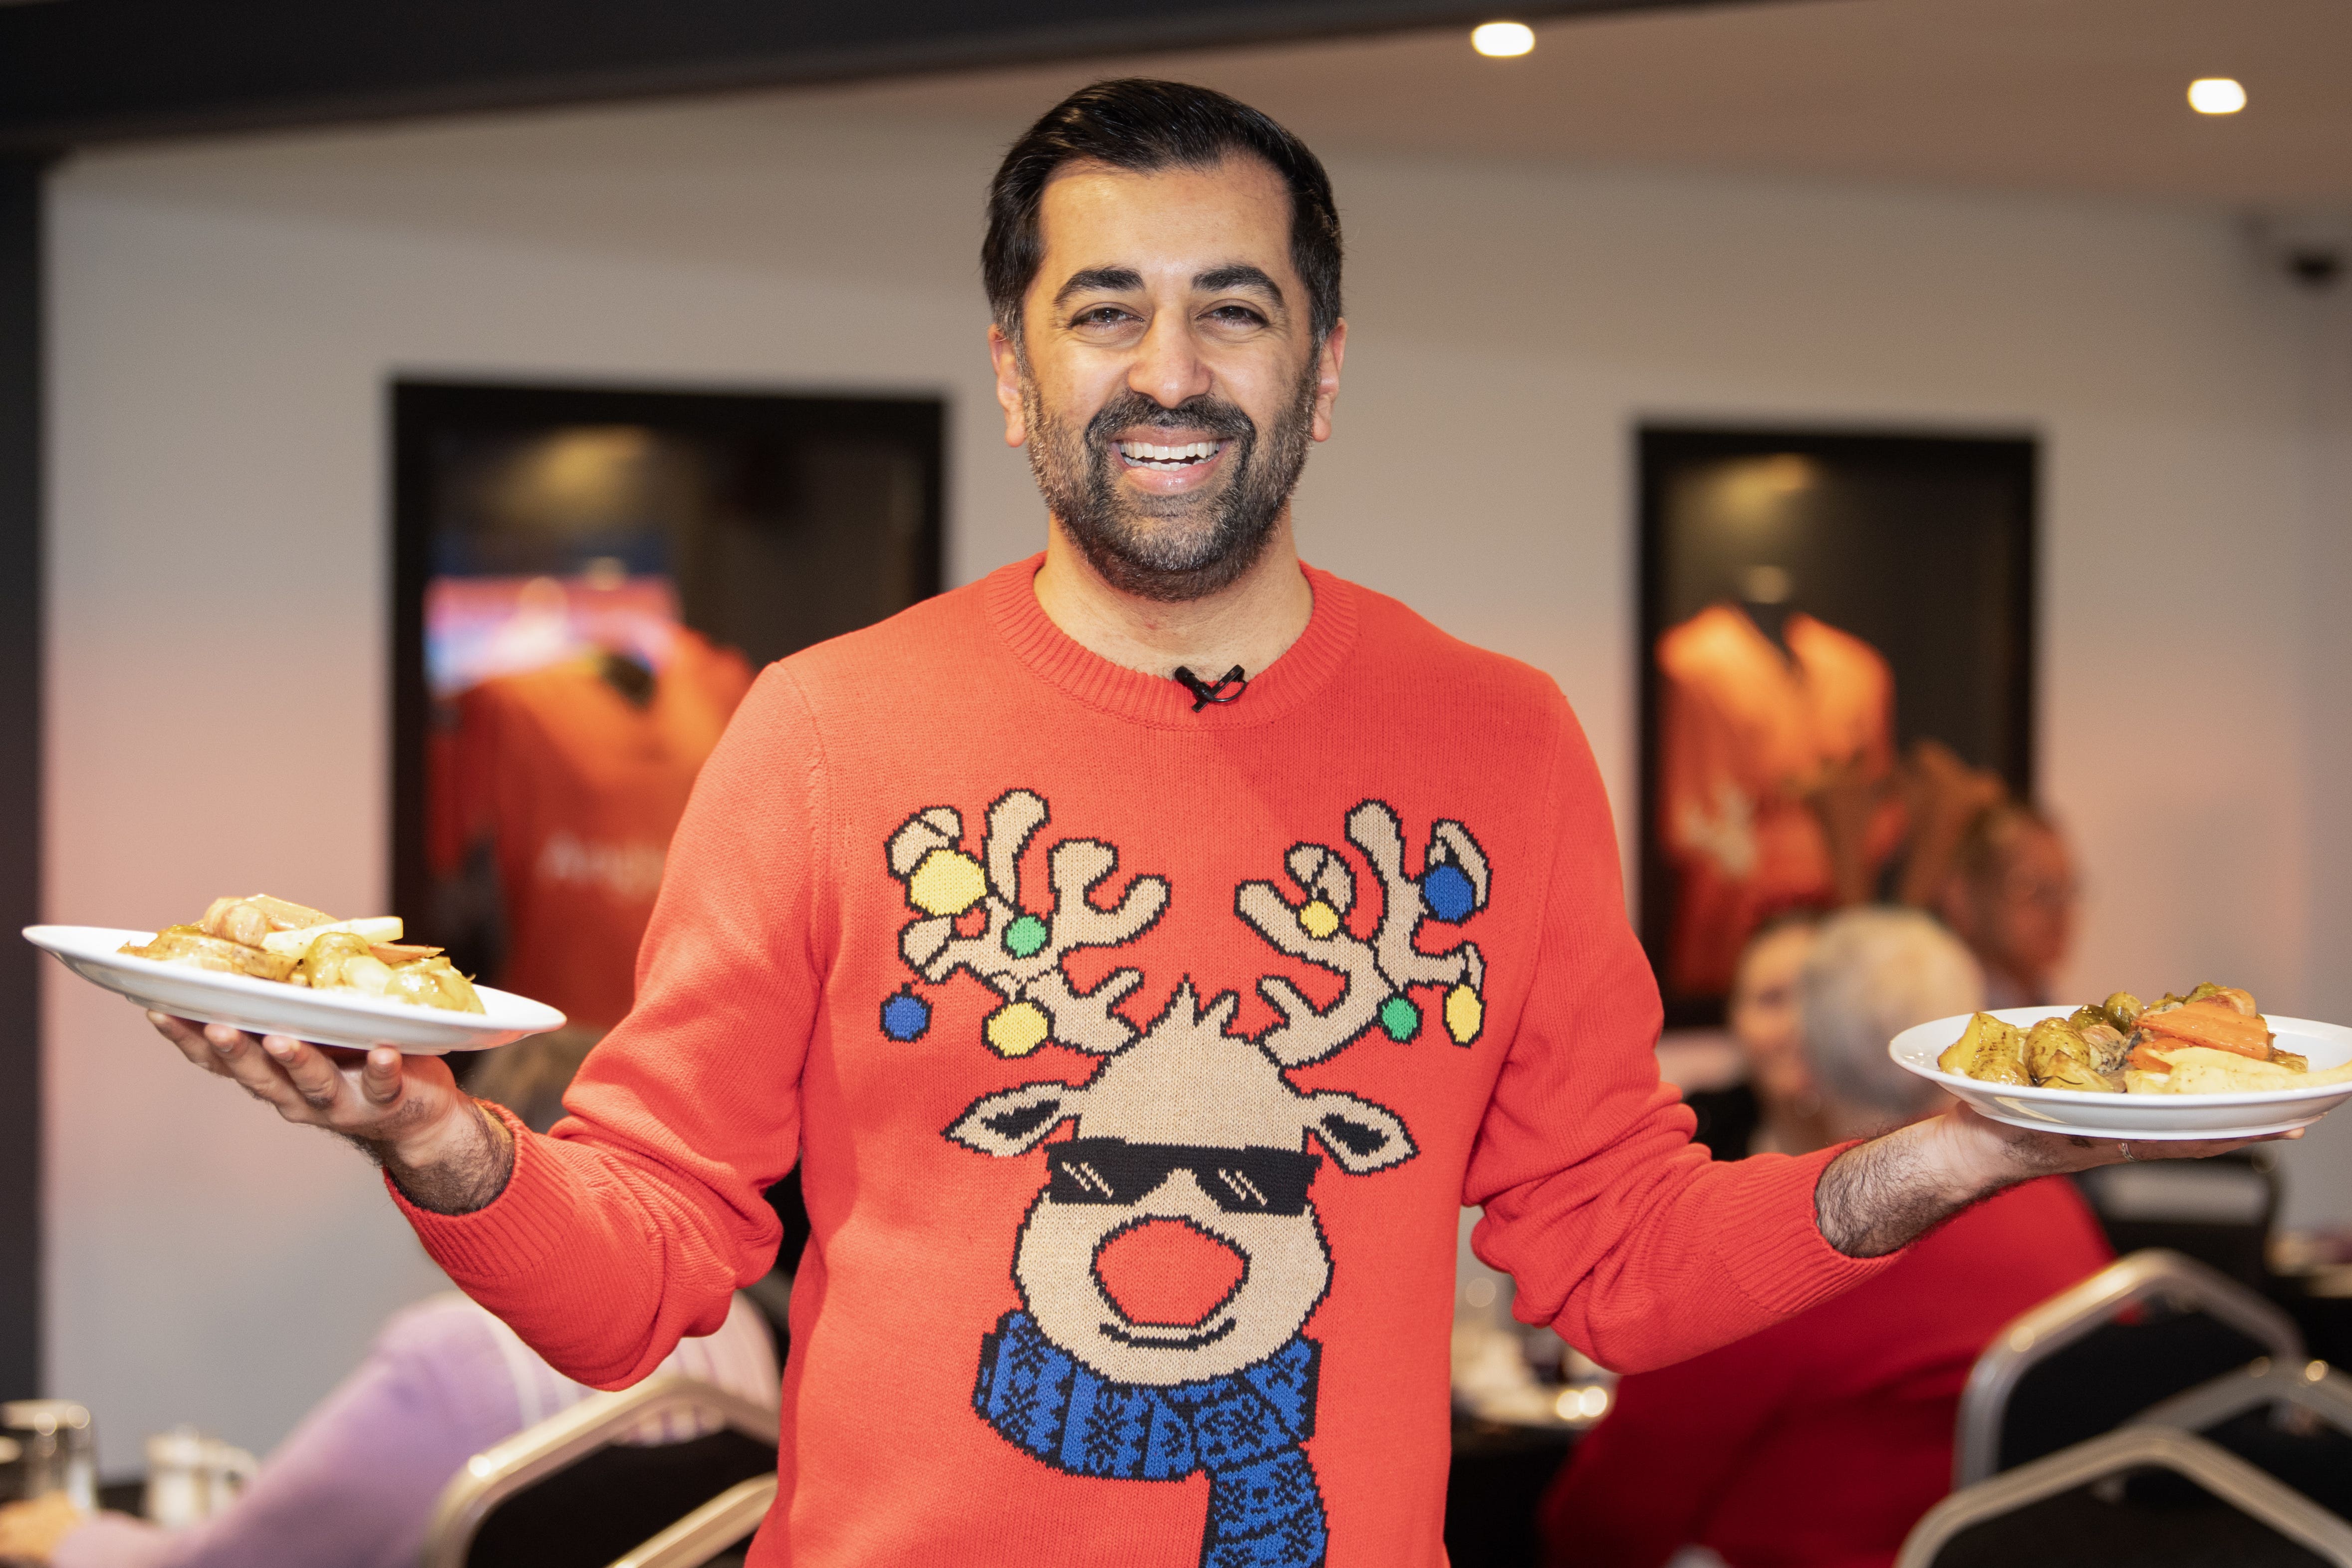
(2011, 897)
(1304, 919)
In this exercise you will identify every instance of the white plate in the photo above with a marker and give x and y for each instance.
(271, 1007)
(2149, 1116)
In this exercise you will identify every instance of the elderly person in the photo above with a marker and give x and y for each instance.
(1822, 1439)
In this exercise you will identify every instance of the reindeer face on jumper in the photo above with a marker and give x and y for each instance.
(1168, 1246)
(1174, 1239)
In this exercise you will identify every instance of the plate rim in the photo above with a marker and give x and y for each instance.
(45, 936)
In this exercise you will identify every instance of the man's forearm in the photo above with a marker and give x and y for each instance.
(1881, 1196)
(462, 1171)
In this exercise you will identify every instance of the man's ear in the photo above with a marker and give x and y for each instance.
(1006, 357)
(1327, 379)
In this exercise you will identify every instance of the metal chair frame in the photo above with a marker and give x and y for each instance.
(505, 1469)
(2157, 1275)
(708, 1531)
(2312, 1386)
(2223, 1474)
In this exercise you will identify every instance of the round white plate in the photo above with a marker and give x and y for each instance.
(2147, 1115)
(270, 1007)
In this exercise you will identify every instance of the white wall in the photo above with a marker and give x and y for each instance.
(227, 318)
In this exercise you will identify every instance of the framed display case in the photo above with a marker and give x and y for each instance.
(1816, 607)
(585, 581)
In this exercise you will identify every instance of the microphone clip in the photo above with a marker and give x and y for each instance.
(1204, 692)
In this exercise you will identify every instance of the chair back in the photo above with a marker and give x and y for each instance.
(2292, 1421)
(2076, 1507)
(567, 1493)
(2142, 1329)
(717, 1526)
(2216, 1211)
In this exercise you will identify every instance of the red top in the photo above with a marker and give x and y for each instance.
(1138, 1061)
(1821, 1441)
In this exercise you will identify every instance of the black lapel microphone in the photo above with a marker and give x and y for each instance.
(1207, 692)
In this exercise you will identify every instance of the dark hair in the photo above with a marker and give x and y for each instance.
(1984, 846)
(1144, 126)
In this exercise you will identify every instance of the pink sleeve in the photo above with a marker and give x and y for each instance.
(631, 1223)
(354, 1484)
(1619, 1233)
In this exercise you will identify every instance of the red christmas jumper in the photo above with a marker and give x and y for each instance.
(1138, 1061)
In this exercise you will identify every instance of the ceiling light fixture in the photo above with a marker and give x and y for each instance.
(1501, 40)
(2216, 95)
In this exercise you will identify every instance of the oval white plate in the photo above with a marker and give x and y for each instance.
(269, 1007)
(2138, 1115)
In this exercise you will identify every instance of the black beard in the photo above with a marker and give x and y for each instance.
(1172, 548)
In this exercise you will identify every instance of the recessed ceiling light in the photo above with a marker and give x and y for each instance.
(1502, 39)
(2216, 95)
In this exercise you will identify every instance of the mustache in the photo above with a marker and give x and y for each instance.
(1131, 409)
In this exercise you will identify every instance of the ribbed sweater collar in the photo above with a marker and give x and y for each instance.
(1010, 596)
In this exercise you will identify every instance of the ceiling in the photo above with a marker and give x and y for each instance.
(2058, 95)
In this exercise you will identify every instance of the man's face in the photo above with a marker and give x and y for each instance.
(2028, 910)
(1167, 383)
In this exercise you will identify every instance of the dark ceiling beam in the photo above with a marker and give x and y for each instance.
(74, 72)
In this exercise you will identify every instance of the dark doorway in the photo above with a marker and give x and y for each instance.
(1894, 575)
(586, 582)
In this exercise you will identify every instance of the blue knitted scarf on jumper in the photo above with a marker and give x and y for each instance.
(1244, 1429)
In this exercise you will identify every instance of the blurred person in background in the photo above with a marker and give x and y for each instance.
(1762, 1017)
(354, 1485)
(1820, 1440)
(2011, 897)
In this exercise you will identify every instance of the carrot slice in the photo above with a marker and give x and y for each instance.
(2214, 1024)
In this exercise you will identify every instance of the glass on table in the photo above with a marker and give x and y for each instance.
(57, 1450)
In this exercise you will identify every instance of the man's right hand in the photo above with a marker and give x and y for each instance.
(447, 1154)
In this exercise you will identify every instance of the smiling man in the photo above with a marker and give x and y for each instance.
(1144, 953)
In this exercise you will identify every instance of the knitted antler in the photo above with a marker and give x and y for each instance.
(1019, 954)
(1453, 886)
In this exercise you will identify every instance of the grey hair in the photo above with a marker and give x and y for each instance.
(1872, 973)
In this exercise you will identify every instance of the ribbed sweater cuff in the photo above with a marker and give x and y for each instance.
(515, 1231)
(1772, 1242)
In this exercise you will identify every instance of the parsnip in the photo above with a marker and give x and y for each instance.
(369, 928)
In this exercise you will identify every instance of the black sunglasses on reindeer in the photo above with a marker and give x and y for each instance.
(1240, 1181)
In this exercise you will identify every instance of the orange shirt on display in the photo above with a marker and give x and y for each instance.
(578, 790)
(1744, 733)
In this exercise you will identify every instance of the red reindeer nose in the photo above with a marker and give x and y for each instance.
(1168, 1272)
